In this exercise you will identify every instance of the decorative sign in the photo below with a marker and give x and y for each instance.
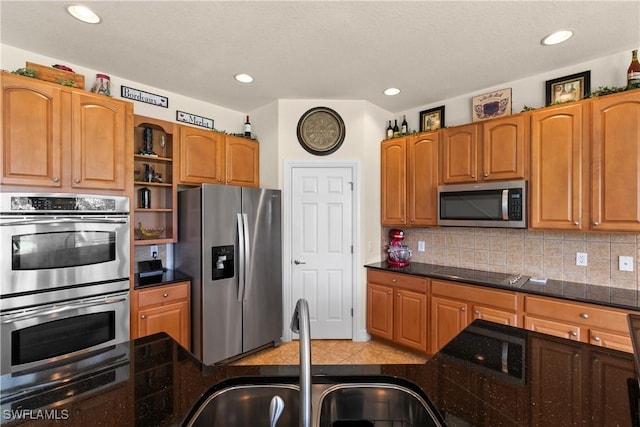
(192, 119)
(142, 96)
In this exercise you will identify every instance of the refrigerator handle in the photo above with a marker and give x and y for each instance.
(247, 256)
(241, 259)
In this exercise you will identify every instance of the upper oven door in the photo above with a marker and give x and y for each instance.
(44, 253)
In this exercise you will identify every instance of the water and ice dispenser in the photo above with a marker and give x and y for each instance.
(223, 262)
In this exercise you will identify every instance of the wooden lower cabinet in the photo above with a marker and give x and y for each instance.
(448, 319)
(397, 313)
(164, 309)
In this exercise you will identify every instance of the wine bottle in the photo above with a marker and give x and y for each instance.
(389, 130)
(633, 73)
(396, 129)
(247, 128)
(404, 128)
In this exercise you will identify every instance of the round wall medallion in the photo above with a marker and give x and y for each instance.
(321, 131)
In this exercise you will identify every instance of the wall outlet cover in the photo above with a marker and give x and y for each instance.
(625, 263)
(421, 246)
(581, 259)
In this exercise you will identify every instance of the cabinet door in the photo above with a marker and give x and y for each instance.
(553, 327)
(504, 148)
(31, 137)
(393, 181)
(380, 311)
(170, 318)
(101, 132)
(609, 375)
(460, 154)
(556, 168)
(616, 163)
(201, 156)
(607, 339)
(411, 319)
(242, 162)
(422, 173)
(448, 318)
(495, 315)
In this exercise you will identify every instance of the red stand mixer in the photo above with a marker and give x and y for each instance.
(398, 255)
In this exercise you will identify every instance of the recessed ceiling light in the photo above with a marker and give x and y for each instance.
(83, 13)
(243, 78)
(392, 91)
(557, 37)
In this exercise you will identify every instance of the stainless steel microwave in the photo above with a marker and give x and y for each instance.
(500, 204)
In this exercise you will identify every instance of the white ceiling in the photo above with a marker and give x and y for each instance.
(431, 50)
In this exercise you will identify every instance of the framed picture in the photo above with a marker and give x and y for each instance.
(432, 119)
(491, 105)
(569, 88)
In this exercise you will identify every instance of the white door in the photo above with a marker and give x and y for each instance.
(322, 251)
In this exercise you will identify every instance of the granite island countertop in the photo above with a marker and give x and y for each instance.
(595, 294)
(541, 381)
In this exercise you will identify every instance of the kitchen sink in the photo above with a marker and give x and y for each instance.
(336, 402)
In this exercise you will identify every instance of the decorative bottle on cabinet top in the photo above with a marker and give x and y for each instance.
(404, 127)
(389, 130)
(633, 72)
(247, 128)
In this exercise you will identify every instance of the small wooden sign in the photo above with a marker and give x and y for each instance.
(142, 96)
(193, 119)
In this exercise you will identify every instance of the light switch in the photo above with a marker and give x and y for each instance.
(625, 263)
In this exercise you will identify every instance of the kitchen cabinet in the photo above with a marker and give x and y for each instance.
(599, 326)
(164, 309)
(558, 173)
(63, 139)
(216, 158)
(397, 308)
(163, 188)
(454, 306)
(615, 162)
(409, 180)
(492, 150)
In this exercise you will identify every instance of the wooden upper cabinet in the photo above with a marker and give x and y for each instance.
(201, 156)
(491, 150)
(242, 161)
(557, 171)
(393, 181)
(31, 132)
(100, 127)
(68, 139)
(460, 153)
(422, 177)
(615, 198)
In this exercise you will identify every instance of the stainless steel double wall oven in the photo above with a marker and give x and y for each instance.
(64, 284)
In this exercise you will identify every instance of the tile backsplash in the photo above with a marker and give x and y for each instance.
(550, 254)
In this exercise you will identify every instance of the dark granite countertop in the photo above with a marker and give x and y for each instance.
(166, 278)
(604, 295)
(540, 381)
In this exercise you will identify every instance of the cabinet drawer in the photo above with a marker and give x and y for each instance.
(503, 299)
(579, 313)
(406, 281)
(163, 294)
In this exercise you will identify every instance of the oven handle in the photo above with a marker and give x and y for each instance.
(10, 318)
(83, 220)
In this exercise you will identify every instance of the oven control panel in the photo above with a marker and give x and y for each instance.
(42, 203)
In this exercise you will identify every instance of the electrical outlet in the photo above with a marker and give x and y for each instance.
(153, 251)
(625, 263)
(581, 259)
(421, 246)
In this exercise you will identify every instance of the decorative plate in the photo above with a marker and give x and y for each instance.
(321, 131)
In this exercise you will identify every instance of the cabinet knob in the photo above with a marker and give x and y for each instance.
(476, 312)
(584, 315)
(77, 181)
(486, 174)
(574, 334)
(596, 339)
(463, 309)
(394, 280)
(596, 223)
(388, 292)
(143, 317)
(228, 181)
(473, 176)
(55, 179)
(398, 293)
(165, 295)
(576, 223)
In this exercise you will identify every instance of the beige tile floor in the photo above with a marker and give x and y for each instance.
(335, 352)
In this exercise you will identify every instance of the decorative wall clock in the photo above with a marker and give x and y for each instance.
(321, 131)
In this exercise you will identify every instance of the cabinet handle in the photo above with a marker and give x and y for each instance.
(574, 334)
(473, 176)
(576, 223)
(398, 294)
(475, 312)
(228, 181)
(394, 280)
(165, 295)
(77, 181)
(55, 179)
(143, 317)
(596, 223)
(486, 174)
(596, 339)
(463, 309)
(584, 315)
(388, 292)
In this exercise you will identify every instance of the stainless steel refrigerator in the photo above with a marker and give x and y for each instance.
(230, 243)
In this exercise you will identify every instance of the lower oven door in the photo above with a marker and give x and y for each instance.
(55, 332)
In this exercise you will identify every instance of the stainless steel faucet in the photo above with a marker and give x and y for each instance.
(300, 325)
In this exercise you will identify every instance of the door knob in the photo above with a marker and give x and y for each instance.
(298, 262)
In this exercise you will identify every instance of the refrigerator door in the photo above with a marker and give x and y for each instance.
(262, 299)
(221, 307)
